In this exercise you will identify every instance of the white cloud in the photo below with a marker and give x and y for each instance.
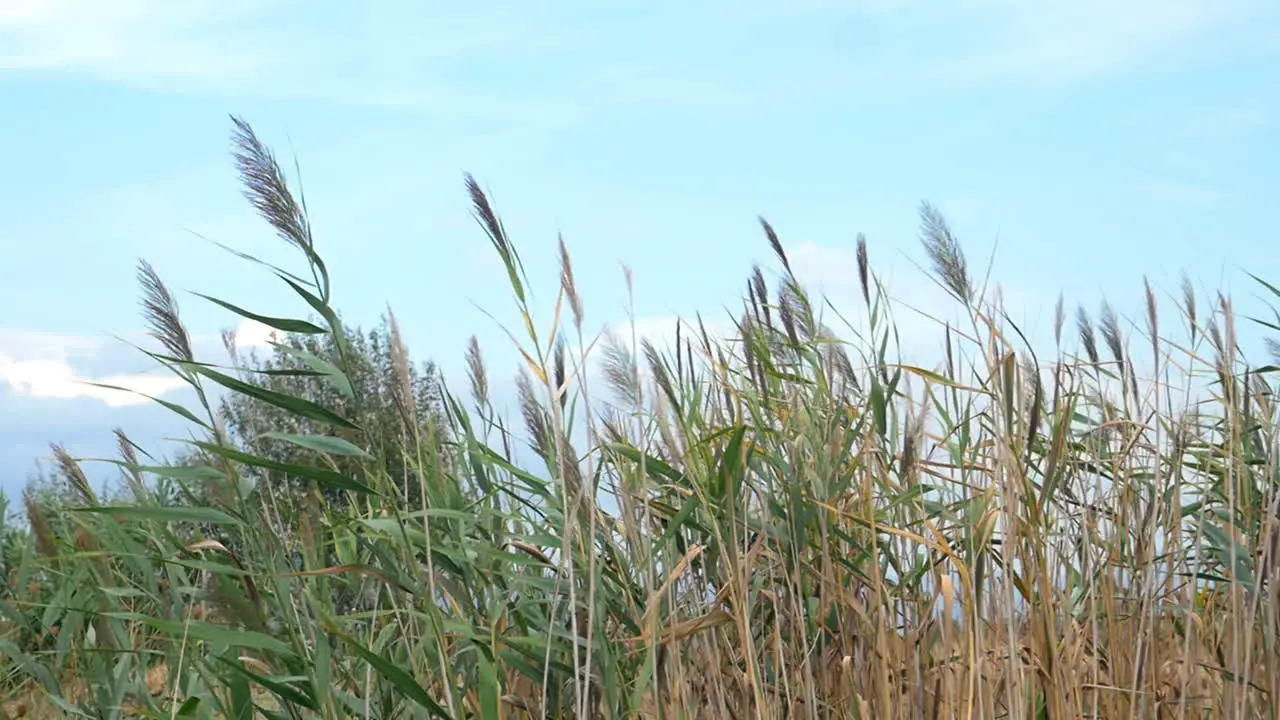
(45, 365)
(252, 334)
(919, 306)
(57, 380)
(38, 364)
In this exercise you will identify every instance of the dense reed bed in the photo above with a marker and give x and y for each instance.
(787, 520)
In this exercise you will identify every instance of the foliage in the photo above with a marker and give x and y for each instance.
(387, 396)
(779, 523)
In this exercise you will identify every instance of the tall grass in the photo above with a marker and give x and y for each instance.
(773, 522)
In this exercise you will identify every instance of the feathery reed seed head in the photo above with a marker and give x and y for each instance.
(160, 311)
(264, 185)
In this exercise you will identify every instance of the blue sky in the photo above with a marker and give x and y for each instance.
(1088, 142)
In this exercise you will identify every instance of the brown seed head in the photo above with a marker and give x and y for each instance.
(85, 540)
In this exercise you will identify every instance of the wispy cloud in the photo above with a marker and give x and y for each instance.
(1235, 120)
(138, 40)
(475, 60)
(1065, 41)
(919, 306)
(928, 44)
(386, 54)
(1181, 193)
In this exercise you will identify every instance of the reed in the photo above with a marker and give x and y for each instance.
(787, 520)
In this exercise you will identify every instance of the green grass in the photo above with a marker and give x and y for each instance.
(773, 523)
